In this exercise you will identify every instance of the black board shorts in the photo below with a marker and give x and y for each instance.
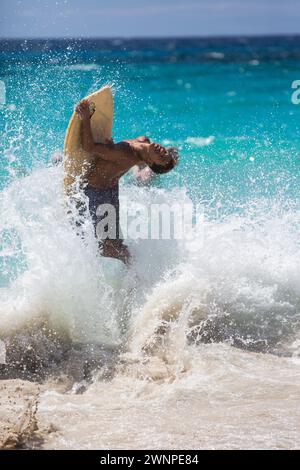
(98, 197)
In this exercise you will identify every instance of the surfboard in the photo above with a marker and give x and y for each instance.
(76, 163)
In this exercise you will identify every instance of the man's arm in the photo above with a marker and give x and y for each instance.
(108, 151)
(141, 152)
(88, 143)
(103, 151)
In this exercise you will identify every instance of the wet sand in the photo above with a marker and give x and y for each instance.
(223, 398)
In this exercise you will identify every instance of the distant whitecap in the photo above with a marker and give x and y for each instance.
(83, 67)
(200, 141)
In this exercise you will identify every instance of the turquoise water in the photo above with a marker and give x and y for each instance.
(226, 104)
(238, 91)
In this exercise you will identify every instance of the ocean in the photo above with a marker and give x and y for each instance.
(198, 344)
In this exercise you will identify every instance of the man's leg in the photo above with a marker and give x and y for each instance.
(115, 249)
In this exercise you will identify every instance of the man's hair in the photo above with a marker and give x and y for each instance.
(161, 169)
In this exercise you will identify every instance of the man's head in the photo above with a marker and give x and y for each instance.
(162, 169)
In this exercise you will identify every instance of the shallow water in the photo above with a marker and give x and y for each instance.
(197, 345)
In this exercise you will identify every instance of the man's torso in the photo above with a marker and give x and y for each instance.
(105, 174)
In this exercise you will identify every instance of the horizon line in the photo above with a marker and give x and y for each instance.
(210, 36)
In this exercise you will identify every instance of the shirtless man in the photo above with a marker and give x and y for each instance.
(109, 162)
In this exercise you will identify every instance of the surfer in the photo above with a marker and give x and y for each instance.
(108, 163)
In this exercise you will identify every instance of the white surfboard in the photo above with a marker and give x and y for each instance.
(75, 161)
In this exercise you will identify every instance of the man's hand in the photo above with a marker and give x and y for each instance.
(83, 110)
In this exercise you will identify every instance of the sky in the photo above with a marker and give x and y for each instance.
(142, 18)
